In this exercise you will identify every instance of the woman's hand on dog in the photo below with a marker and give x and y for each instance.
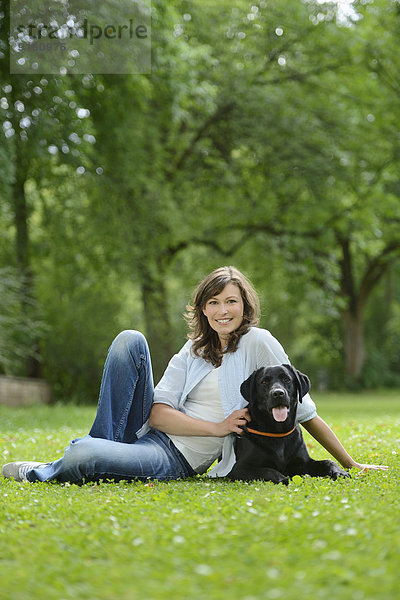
(234, 423)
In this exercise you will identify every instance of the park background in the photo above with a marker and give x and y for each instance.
(266, 136)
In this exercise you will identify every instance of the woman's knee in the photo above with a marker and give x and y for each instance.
(130, 341)
(81, 451)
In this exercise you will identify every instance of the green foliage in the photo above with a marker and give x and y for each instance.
(383, 334)
(84, 295)
(202, 538)
(18, 329)
(260, 138)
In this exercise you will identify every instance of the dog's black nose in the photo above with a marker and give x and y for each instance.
(278, 393)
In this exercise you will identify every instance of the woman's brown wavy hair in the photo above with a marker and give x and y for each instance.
(206, 342)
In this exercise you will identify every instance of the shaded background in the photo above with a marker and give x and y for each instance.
(266, 136)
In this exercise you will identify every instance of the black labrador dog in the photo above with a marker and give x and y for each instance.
(272, 446)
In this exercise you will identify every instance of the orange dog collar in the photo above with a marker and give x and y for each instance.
(273, 435)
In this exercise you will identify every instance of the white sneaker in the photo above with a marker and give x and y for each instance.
(18, 470)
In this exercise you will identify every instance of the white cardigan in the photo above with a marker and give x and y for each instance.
(257, 348)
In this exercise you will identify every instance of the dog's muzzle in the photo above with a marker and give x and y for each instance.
(280, 410)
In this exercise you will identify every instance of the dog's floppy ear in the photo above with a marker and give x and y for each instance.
(248, 387)
(302, 381)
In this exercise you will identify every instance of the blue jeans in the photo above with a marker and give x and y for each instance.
(120, 444)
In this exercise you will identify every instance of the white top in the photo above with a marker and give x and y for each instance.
(257, 348)
(203, 402)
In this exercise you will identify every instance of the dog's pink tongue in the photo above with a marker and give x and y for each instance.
(280, 413)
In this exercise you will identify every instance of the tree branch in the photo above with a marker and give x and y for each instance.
(297, 76)
(377, 268)
(222, 111)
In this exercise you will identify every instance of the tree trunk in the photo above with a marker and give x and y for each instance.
(353, 314)
(21, 224)
(32, 364)
(159, 331)
(357, 298)
(354, 342)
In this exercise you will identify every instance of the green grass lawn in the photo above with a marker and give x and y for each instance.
(201, 538)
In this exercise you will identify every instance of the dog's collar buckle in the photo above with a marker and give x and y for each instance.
(272, 435)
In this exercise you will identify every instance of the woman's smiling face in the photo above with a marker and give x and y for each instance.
(224, 312)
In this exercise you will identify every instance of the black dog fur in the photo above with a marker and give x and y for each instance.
(273, 394)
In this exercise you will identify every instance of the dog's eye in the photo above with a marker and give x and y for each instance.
(264, 381)
(286, 379)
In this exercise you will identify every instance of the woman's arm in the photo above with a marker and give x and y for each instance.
(170, 420)
(325, 436)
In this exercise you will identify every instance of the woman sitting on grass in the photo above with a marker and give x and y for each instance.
(183, 425)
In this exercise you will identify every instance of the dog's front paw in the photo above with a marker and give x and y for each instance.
(284, 480)
(276, 477)
(336, 472)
